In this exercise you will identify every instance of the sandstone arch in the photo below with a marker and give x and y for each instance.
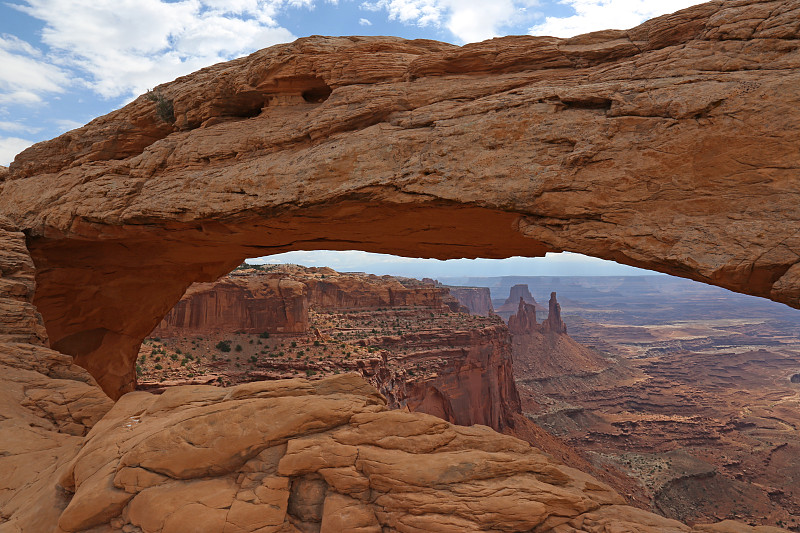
(671, 146)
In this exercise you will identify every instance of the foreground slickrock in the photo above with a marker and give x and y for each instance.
(269, 455)
(670, 146)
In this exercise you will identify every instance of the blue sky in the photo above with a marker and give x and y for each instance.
(65, 62)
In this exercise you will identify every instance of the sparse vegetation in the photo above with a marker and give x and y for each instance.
(165, 108)
(223, 346)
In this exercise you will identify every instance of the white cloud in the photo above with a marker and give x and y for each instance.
(595, 15)
(25, 75)
(127, 46)
(17, 127)
(11, 146)
(364, 22)
(467, 20)
(67, 124)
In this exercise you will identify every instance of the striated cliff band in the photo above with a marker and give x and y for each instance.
(669, 146)
(411, 340)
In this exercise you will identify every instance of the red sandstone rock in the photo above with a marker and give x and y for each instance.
(668, 146)
(477, 299)
(454, 367)
(278, 301)
(545, 350)
(554, 324)
(277, 456)
(524, 321)
(239, 303)
(465, 377)
(511, 305)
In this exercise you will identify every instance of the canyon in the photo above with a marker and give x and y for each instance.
(412, 340)
(687, 389)
(669, 146)
(691, 436)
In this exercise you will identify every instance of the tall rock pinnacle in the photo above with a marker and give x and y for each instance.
(554, 322)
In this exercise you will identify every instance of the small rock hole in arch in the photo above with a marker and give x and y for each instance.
(795, 378)
(317, 95)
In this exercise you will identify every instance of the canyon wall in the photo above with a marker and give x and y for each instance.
(367, 291)
(464, 377)
(278, 300)
(421, 355)
(238, 303)
(477, 300)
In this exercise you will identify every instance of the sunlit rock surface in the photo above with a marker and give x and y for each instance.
(670, 146)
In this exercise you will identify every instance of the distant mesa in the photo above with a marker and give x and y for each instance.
(511, 304)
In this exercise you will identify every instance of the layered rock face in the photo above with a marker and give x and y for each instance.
(668, 146)
(278, 300)
(554, 323)
(477, 299)
(524, 321)
(464, 377)
(239, 303)
(341, 291)
(399, 333)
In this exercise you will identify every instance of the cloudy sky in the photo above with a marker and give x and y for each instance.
(65, 62)
(563, 264)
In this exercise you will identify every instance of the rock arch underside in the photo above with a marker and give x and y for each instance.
(671, 146)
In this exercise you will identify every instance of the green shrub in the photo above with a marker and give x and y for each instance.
(265, 335)
(224, 346)
(238, 347)
(164, 107)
